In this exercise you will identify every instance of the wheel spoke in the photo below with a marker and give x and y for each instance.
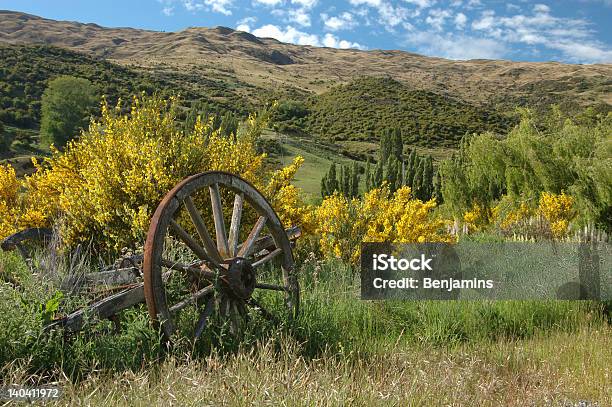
(267, 257)
(196, 218)
(189, 241)
(235, 225)
(208, 310)
(245, 250)
(217, 209)
(265, 286)
(191, 299)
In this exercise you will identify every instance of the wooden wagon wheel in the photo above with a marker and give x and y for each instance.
(221, 275)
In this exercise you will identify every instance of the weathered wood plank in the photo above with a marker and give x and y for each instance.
(234, 232)
(101, 309)
(196, 218)
(217, 210)
(247, 246)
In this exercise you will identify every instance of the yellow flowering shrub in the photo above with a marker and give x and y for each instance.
(516, 218)
(106, 185)
(558, 210)
(379, 217)
(476, 218)
(9, 188)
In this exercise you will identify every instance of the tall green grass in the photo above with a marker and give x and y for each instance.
(333, 321)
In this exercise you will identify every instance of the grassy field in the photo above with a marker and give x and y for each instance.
(548, 370)
(341, 350)
(316, 163)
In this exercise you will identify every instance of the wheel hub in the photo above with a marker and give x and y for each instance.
(239, 277)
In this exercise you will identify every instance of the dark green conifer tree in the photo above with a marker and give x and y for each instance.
(378, 176)
(368, 175)
(355, 180)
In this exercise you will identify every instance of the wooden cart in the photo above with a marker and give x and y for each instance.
(186, 274)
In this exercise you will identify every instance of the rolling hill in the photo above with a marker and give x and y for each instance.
(248, 63)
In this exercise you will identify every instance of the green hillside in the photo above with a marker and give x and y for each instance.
(362, 109)
(26, 70)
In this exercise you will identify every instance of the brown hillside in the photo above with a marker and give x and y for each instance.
(223, 52)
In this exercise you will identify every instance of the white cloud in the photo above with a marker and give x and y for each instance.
(460, 21)
(299, 16)
(218, 6)
(191, 5)
(437, 17)
(289, 34)
(456, 46)
(268, 3)
(244, 24)
(168, 11)
(388, 15)
(343, 21)
(308, 4)
(541, 8)
(582, 52)
(486, 21)
(421, 3)
(294, 36)
(333, 42)
(572, 37)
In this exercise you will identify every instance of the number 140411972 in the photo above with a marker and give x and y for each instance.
(29, 393)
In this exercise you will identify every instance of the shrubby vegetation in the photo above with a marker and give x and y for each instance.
(365, 108)
(106, 185)
(26, 70)
(491, 178)
(342, 224)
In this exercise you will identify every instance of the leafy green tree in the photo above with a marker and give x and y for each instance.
(67, 104)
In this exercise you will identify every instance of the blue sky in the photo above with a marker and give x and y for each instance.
(574, 31)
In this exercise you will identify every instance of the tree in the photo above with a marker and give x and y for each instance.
(438, 188)
(412, 164)
(5, 142)
(398, 145)
(417, 184)
(386, 145)
(346, 181)
(427, 185)
(378, 175)
(324, 192)
(329, 183)
(66, 106)
(391, 174)
(355, 180)
(368, 176)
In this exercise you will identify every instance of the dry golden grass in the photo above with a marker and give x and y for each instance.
(556, 370)
(223, 52)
